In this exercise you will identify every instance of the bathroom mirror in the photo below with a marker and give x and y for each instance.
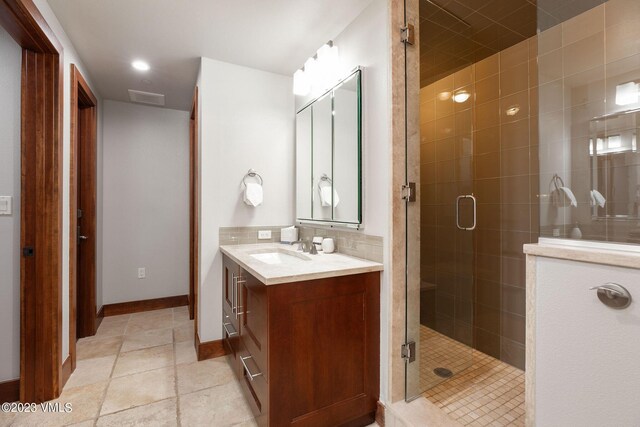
(328, 156)
(615, 166)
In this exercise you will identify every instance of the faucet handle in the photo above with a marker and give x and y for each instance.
(314, 249)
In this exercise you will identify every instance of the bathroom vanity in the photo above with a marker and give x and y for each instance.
(303, 334)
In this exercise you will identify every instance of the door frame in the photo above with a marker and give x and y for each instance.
(82, 97)
(194, 212)
(41, 200)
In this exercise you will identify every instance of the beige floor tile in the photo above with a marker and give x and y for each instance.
(205, 374)
(180, 316)
(185, 352)
(248, 423)
(85, 406)
(118, 318)
(139, 389)
(184, 332)
(147, 339)
(112, 329)
(146, 359)
(88, 423)
(150, 322)
(155, 314)
(6, 418)
(158, 414)
(91, 371)
(218, 406)
(88, 348)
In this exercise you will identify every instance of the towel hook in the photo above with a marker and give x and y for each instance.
(251, 174)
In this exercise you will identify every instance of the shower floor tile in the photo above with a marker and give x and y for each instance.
(482, 391)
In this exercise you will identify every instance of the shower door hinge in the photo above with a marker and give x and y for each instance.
(409, 192)
(407, 35)
(409, 351)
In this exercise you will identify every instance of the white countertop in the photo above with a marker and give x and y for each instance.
(318, 266)
(593, 255)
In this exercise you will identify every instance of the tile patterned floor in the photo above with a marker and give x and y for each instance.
(483, 391)
(141, 370)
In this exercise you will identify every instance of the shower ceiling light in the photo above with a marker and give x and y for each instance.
(513, 110)
(444, 96)
(461, 96)
(140, 65)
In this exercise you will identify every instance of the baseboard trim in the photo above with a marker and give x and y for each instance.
(144, 305)
(67, 370)
(380, 414)
(9, 391)
(99, 317)
(209, 349)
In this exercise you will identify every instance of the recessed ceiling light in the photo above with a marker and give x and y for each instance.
(140, 65)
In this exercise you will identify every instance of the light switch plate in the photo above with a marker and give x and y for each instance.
(264, 234)
(142, 273)
(6, 205)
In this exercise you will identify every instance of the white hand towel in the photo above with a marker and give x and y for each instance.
(598, 198)
(325, 196)
(253, 195)
(570, 195)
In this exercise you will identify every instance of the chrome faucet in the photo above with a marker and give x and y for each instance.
(301, 246)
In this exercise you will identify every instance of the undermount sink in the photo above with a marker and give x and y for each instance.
(279, 257)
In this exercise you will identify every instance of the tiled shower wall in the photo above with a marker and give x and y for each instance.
(473, 283)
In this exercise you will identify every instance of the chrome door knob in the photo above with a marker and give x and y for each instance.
(83, 237)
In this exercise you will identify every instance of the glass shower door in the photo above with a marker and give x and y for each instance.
(442, 322)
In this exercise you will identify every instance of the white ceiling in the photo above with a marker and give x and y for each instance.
(270, 35)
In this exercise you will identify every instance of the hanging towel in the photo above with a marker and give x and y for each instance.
(597, 198)
(253, 194)
(325, 196)
(567, 191)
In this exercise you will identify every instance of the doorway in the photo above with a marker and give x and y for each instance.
(82, 213)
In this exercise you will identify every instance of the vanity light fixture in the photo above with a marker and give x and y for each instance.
(319, 73)
(461, 96)
(627, 93)
(140, 65)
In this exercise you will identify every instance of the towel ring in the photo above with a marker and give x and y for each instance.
(324, 178)
(251, 174)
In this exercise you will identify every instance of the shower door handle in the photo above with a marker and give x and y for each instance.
(475, 208)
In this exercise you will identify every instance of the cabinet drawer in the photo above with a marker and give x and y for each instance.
(230, 335)
(253, 320)
(254, 385)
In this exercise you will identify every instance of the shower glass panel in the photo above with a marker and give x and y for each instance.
(589, 101)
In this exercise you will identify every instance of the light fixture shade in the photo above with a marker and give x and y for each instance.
(328, 65)
(301, 83)
(627, 93)
(461, 96)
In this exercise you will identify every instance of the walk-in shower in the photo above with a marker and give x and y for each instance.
(527, 129)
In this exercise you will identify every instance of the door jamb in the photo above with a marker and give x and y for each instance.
(81, 95)
(41, 199)
(194, 212)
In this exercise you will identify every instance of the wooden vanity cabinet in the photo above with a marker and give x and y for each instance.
(308, 353)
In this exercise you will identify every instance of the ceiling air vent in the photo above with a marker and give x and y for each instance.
(146, 97)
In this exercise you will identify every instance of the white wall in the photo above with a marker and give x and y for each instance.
(10, 70)
(586, 354)
(365, 42)
(146, 202)
(246, 121)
